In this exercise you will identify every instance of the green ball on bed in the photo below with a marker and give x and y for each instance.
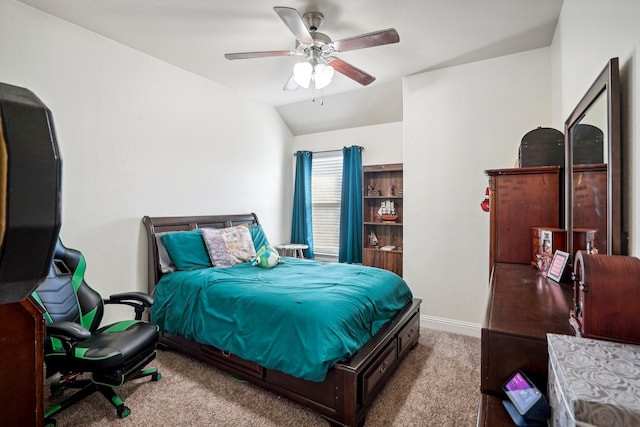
(267, 257)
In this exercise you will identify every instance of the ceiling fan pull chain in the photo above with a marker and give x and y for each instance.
(313, 97)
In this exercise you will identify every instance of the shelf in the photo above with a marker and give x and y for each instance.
(383, 197)
(394, 251)
(382, 178)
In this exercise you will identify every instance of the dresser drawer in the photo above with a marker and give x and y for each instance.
(408, 336)
(378, 369)
(232, 360)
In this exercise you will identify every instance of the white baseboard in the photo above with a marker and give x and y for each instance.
(451, 325)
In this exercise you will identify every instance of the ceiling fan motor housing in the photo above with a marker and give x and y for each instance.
(321, 46)
(313, 20)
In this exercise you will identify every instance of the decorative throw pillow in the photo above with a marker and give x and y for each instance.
(229, 246)
(258, 236)
(187, 249)
(267, 257)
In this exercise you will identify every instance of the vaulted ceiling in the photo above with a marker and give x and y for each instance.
(195, 35)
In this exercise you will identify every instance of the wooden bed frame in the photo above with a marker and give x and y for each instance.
(349, 389)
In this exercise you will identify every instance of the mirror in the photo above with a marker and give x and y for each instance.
(592, 168)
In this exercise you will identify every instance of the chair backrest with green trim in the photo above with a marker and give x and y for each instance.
(65, 295)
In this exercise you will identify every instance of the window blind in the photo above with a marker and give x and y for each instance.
(326, 189)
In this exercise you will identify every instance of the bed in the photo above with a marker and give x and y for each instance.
(343, 391)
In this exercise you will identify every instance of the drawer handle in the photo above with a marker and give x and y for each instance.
(383, 367)
(225, 353)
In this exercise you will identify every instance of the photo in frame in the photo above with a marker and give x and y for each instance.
(558, 264)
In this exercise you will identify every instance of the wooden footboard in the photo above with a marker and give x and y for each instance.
(349, 389)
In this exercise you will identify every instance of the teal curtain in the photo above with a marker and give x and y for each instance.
(301, 226)
(350, 246)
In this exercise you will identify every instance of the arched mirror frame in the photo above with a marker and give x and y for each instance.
(607, 85)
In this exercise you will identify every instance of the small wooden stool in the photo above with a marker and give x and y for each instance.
(294, 250)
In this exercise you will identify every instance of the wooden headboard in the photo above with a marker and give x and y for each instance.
(155, 225)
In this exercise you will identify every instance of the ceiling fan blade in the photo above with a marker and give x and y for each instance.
(292, 19)
(291, 84)
(376, 38)
(350, 71)
(247, 55)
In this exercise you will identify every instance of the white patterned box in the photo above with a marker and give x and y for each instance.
(593, 382)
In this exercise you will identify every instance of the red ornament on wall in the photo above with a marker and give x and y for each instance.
(485, 203)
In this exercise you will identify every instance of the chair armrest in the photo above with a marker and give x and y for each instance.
(141, 297)
(138, 300)
(68, 331)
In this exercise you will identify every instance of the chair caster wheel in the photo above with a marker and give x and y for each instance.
(123, 411)
(57, 390)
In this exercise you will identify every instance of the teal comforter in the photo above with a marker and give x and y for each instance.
(300, 317)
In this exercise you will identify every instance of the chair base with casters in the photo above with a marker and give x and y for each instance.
(87, 387)
(87, 357)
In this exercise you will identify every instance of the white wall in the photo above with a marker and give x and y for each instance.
(382, 143)
(590, 32)
(459, 122)
(141, 137)
(462, 120)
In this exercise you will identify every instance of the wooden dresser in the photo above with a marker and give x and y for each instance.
(22, 331)
(523, 307)
(521, 198)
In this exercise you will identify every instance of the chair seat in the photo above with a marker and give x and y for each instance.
(113, 347)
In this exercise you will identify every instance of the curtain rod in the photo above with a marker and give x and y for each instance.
(332, 151)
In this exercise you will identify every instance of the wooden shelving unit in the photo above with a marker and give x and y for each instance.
(382, 184)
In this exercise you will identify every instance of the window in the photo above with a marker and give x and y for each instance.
(326, 189)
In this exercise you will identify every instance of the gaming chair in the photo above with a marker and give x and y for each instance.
(84, 355)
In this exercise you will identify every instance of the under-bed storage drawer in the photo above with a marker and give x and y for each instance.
(409, 335)
(378, 369)
(232, 360)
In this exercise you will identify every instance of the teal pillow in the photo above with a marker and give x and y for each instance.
(258, 236)
(187, 250)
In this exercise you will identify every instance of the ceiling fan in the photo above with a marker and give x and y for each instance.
(317, 48)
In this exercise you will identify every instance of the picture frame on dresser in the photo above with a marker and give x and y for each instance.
(558, 265)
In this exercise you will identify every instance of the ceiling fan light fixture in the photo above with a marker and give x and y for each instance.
(302, 72)
(322, 76)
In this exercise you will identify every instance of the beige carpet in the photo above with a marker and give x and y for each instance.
(437, 385)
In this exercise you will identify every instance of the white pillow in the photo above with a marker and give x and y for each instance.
(164, 259)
